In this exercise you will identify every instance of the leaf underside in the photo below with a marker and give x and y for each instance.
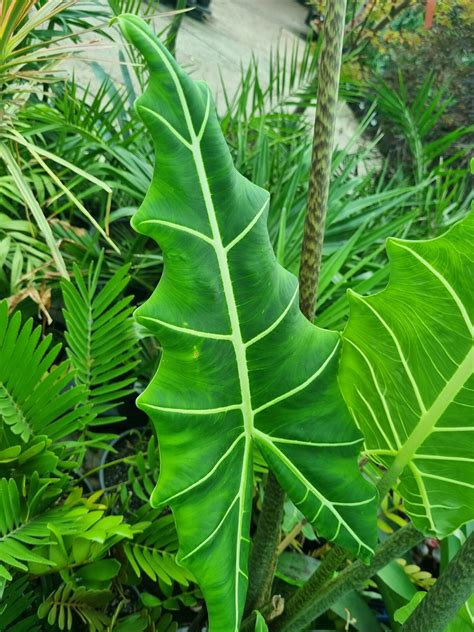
(407, 375)
(241, 368)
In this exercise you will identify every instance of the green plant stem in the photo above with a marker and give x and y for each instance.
(264, 550)
(325, 571)
(447, 596)
(98, 468)
(305, 606)
(323, 142)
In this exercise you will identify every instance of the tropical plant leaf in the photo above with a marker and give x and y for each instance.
(407, 375)
(101, 341)
(68, 606)
(34, 398)
(241, 368)
(25, 529)
(38, 535)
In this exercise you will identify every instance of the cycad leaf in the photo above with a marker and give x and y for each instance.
(34, 398)
(101, 342)
(241, 365)
(407, 375)
(76, 604)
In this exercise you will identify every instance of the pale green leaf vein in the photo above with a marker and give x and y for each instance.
(444, 281)
(403, 360)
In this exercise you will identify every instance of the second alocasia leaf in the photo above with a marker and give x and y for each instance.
(242, 369)
(407, 373)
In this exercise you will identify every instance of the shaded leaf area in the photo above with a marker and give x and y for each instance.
(241, 365)
(17, 598)
(88, 605)
(407, 376)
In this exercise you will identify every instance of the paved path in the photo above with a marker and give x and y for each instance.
(226, 41)
(236, 30)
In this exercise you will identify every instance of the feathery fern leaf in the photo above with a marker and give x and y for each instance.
(101, 341)
(34, 397)
(68, 604)
(153, 551)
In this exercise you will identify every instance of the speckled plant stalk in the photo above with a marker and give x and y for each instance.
(323, 143)
(305, 605)
(263, 557)
(447, 596)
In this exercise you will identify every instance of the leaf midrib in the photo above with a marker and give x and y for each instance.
(429, 418)
(236, 335)
(239, 350)
(27, 430)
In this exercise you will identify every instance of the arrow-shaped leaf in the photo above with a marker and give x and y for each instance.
(242, 368)
(407, 375)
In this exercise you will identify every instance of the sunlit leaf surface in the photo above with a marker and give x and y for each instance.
(407, 375)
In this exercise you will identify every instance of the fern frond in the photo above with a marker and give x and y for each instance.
(34, 397)
(66, 605)
(102, 346)
(152, 552)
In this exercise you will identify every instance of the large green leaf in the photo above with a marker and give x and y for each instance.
(241, 368)
(407, 375)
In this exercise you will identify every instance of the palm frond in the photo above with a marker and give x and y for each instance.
(31, 203)
(416, 117)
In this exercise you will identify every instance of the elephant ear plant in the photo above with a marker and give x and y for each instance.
(242, 369)
(244, 372)
(407, 375)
